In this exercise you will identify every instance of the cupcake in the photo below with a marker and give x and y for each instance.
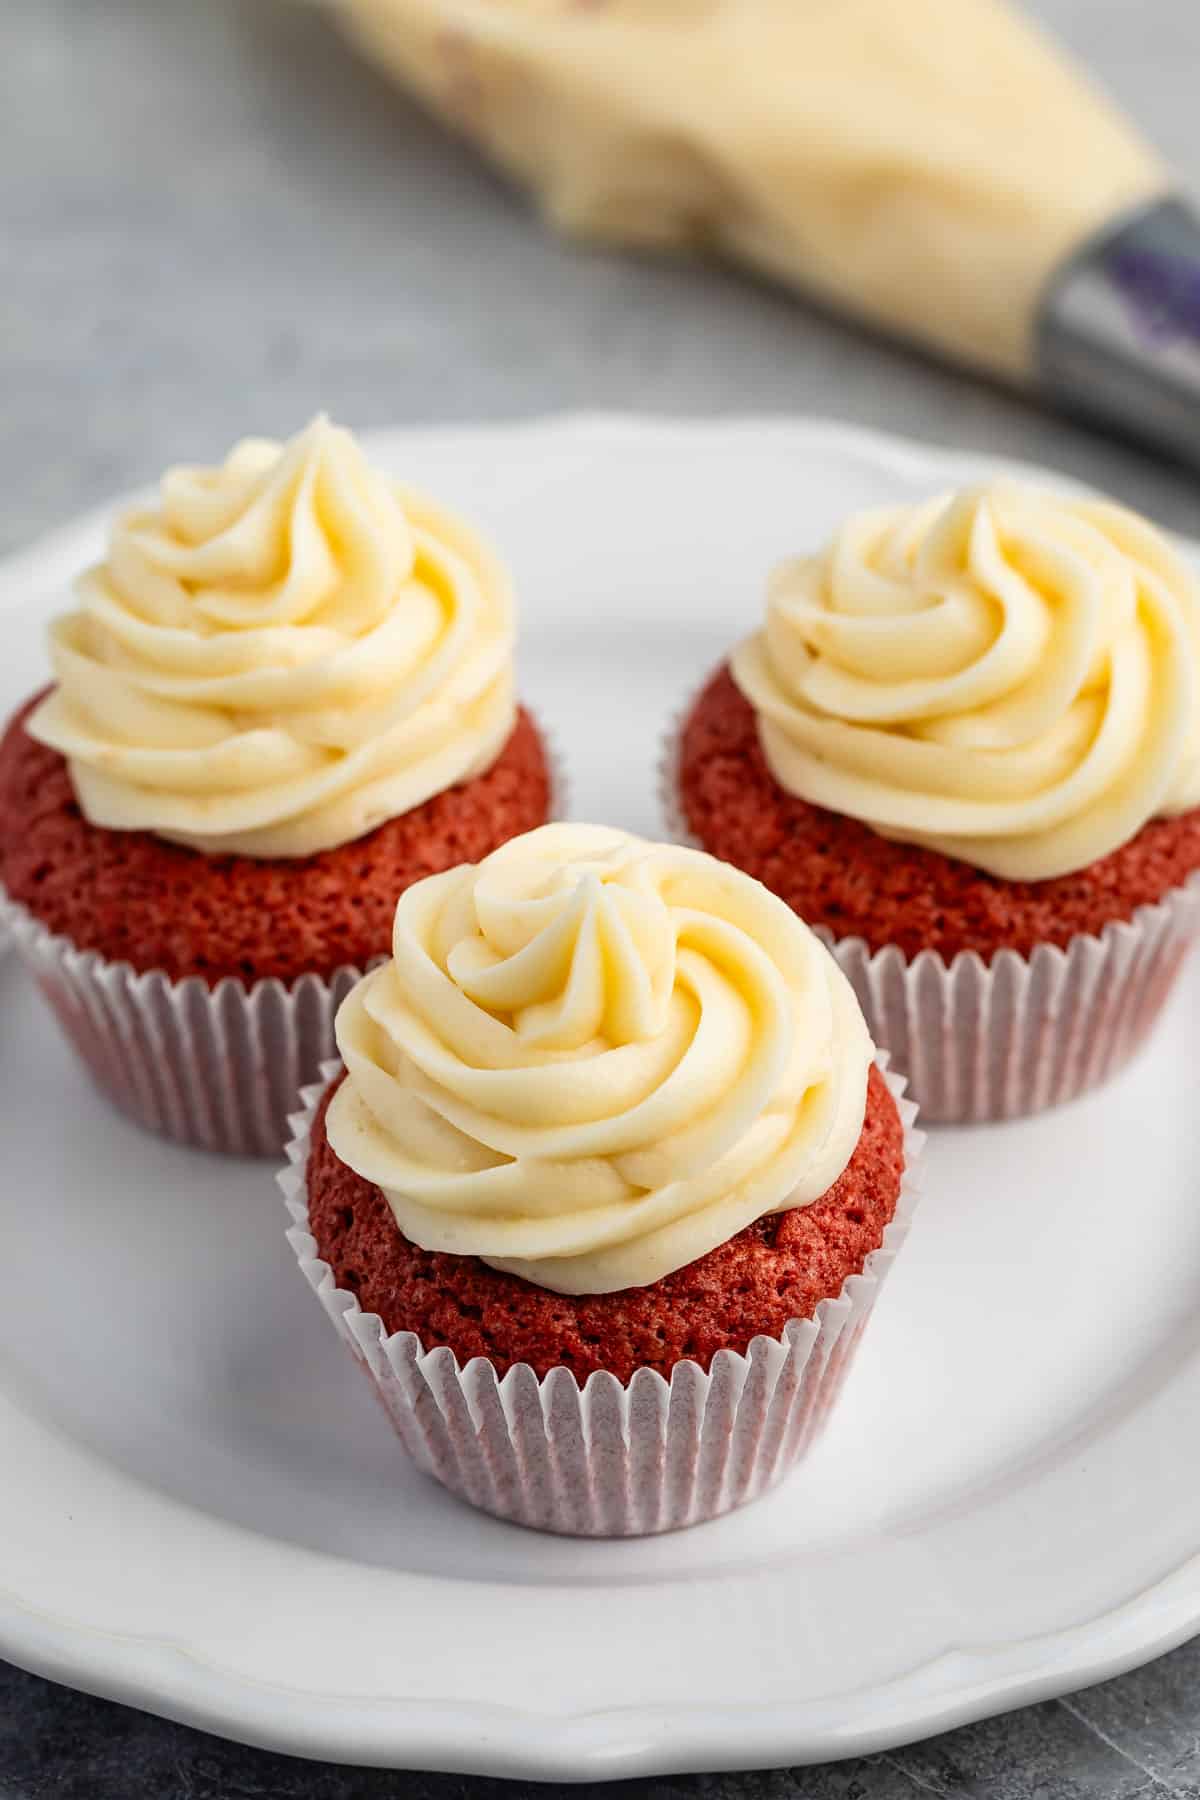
(966, 748)
(607, 1185)
(286, 694)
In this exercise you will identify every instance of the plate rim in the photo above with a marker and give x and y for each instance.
(464, 1736)
(504, 1742)
(55, 547)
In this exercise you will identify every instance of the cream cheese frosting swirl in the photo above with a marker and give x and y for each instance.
(280, 654)
(1008, 676)
(592, 1059)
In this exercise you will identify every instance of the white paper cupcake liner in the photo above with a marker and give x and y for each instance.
(610, 1459)
(219, 1068)
(1003, 1039)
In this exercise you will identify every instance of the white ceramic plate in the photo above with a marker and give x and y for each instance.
(202, 1512)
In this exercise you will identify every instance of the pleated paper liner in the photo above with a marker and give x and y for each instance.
(1006, 1038)
(610, 1459)
(220, 1068)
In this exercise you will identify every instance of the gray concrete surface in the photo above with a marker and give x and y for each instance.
(214, 217)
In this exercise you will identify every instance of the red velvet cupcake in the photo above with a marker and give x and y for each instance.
(966, 749)
(286, 695)
(607, 1188)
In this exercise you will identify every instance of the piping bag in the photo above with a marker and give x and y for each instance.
(937, 167)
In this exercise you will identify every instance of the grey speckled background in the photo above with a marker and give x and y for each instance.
(213, 217)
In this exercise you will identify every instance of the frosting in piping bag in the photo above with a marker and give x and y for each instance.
(905, 161)
(1004, 675)
(281, 654)
(593, 1059)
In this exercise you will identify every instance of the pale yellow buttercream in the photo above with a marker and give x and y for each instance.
(592, 1059)
(1006, 675)
(925, 163)
(280, 654)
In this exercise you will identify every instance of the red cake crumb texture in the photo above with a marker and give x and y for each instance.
(837, 872)
(773, 1271)
(137, 899)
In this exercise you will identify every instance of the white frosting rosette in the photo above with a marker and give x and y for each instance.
(592, 1059)
(1008, 676)
(280, 655)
